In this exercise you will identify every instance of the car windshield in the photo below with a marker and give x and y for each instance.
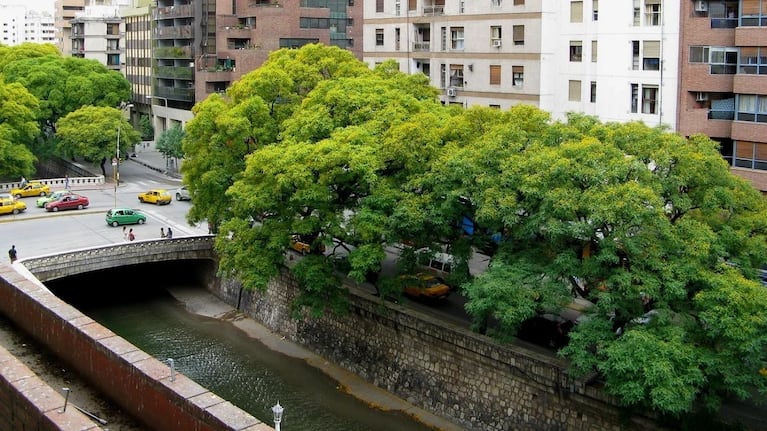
(433, 282)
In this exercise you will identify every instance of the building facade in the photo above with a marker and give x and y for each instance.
(98, 34)
(12, 19)
(38, 27)
(723, 71)
(65, 11)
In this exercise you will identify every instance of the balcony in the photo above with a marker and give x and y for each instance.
(182, 11)
(173, 72)
(434, 10)
(724, 22)
(173, 52)
(175, 93)
(422, 46)
(174, 32)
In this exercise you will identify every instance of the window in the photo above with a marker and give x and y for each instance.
(443, 39)
(751, 108)
(397, 8)
(698, 54)
(518, 75)
(495, 74)
(751, 155)
(576, 50)
(593, 51)
(635, 98)
(576, 11)
(634, 55)
(723, 60)
(379, 37)
(651, 55)
(411, 5)
(379, 6)
(652, 12)
(442, 72)
(753, 61)
(574, 91)
(397, 38)
(649, 99)
(593, 94)
(519, 2)
(456, 38)
(595, 10)
(456, 75)
(753, 13)
(518, 34)
(496, 33)
(637, 13)
(496, 2)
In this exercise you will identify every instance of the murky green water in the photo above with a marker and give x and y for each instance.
(238, 368)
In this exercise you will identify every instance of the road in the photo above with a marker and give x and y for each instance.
(36, 232)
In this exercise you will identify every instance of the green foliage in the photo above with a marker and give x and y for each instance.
(91, 132)
(145, 127)
(9, 54)
(18, 130)
(649, 226)
(169, 142)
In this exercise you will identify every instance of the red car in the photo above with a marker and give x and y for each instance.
(70, 202)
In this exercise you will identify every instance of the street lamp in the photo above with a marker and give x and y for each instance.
(277, 410)
(116, 161)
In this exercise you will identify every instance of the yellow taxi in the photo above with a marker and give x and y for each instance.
(155, 196)
(423, 285)
(302, 245)
(31, 189)
(11, 206)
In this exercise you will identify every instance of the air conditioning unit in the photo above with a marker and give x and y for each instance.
(701, 5)
(497, 43)
(701, 96)
(451, 92)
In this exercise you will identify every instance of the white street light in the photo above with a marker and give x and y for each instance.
(277, 410)
(116, 161)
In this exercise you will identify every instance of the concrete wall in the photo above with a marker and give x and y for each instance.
(140, 384)
(478, 383)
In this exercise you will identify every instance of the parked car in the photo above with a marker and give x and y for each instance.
(423, 285)
(182, 194)
(155, 196)
(121, 216)
(11, 206)
(302, 245)
(31, 189)
(68, 202)
(41, 201)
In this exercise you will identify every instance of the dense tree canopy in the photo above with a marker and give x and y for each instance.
(169, 142)
(652, 228)
(63, 85)
(18, 128)
(91, 132)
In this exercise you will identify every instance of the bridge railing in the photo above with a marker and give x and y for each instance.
(57, 183)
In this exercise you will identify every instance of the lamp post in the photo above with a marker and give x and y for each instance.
(277, 410)
(116, 161)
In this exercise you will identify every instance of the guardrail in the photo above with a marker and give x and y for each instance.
(57, 182)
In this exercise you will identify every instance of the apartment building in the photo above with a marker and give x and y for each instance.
(38, 27)
(12, 20)
(97, 33)
(201, 47)
(723, 91)
(138, 56)
(501, 53)
(65, 11)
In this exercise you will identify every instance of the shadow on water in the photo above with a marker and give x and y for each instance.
(133, 303)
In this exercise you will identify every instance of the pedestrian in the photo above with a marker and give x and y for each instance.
(66, 182)
(131, 237)
(12, 253)
(125, 234)
(162, 232)
(169, 235)
(23, 182)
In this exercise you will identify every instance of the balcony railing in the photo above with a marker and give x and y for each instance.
(175, 32)
(434, 10)
(721, 115)
(724, 22)
(174, 93)
(174, 52)
(421, 46)
(173, 72)
(181, 11)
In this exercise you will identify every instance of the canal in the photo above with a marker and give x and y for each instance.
(134, 303)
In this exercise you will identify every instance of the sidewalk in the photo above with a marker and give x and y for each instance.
(155, 160)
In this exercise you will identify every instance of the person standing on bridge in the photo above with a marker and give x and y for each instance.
(131, 237)
(162, 232)
(12, 253)
(66, 182)
(169, 235)
(125, 234)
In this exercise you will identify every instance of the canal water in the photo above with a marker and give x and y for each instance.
(220, 356)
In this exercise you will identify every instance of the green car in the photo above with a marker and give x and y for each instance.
(41, 201)
(118, 216)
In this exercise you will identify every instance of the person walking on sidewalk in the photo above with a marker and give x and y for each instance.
(12, 253)
(131, 237)
(66, 182)
(125, 234)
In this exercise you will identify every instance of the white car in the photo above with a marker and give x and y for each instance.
(182, 194)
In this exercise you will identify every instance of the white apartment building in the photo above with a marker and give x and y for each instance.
(98, 34)
(617, 60)
(12, 20)
(39, 28)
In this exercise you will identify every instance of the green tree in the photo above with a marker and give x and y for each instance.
(63, 85)
(18, 129)
(169, 142)
(145, 125)
(9, 54)
(91, 132)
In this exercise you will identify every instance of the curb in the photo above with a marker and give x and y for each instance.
(155, 168)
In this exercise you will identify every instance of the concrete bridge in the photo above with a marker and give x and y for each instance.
(61, 265)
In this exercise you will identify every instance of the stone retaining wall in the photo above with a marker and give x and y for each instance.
(469, 378)
(131, 378)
